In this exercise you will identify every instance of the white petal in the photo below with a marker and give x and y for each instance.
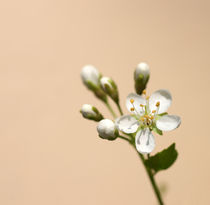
(104, 81)
(145, 141)
(162, 96)
(168, 122)
(142, 68)
(127, 124)
(90, 73)
(137, 101)
(88, 110)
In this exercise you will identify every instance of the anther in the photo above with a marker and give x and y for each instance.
(132, 109)
(144, 92)
(151, 117)
(158, 104)
(141, 105)
(147, 98)
(153, 111)
(132, 101)
(142, 118)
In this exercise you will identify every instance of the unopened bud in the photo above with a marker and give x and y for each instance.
(91, 78)
(91, 113)
(107, 130)
(141, 77)
(110, 88)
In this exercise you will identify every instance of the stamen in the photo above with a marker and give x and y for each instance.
(144, 92)
(146, 116)
(141, 105)
(142, 118)
(153, 111)
(132, 101)
(151, 117)
(158, 104)
(147, 98)
(132, 109)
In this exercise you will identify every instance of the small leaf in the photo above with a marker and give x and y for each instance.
(162, 160)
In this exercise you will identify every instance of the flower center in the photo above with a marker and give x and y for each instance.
(145, 116)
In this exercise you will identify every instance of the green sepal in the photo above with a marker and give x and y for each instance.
(98, 117)
(140, 83)
(99, 93)
(158, 131)
(111, 90)
(162, 114)
(116, 134)
(162, 160)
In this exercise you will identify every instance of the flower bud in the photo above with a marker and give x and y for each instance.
(91, 113)
(110, 88)
(90, 74)
(107, 130)
(91, 78)
(141, 77)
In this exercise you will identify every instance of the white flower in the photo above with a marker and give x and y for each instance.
(107, 129)
(147, 114)
(142, 69)
(91, 113)
(90, 74)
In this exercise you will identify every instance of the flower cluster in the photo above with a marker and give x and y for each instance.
(147, 113)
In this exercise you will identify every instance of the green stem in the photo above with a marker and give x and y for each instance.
(124, 138)
(152, 180)
(149, 173)
(110, 109)
(119, 108)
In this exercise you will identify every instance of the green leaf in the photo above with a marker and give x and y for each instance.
(162, 160)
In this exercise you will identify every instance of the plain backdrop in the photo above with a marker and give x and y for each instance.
(48, 153)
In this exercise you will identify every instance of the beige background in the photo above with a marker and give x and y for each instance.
(48, 153)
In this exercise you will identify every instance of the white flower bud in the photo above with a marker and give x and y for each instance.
(110, 88)
(91, 113)
(91, 78)
(142, 69)
(90, 74)
(107, 130)
(141, 77)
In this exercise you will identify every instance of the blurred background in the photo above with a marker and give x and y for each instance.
(48, 153)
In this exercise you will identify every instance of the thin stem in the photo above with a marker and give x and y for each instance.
(111, 110)
(152, 180)
(148, 170)
(124, 138)
(119, 108)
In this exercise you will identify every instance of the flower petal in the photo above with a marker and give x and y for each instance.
(127, 124)
(136, 104)
(168, 122)
(145, 141)
(162, 96)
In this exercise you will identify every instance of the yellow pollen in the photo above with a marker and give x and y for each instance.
(141, 105)
(142, 118)
(144, 92)
(132, 109)
(147, 98)
(158, 104)
(146, 116)
(153, 111)
(132, 101)
(152, 117)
